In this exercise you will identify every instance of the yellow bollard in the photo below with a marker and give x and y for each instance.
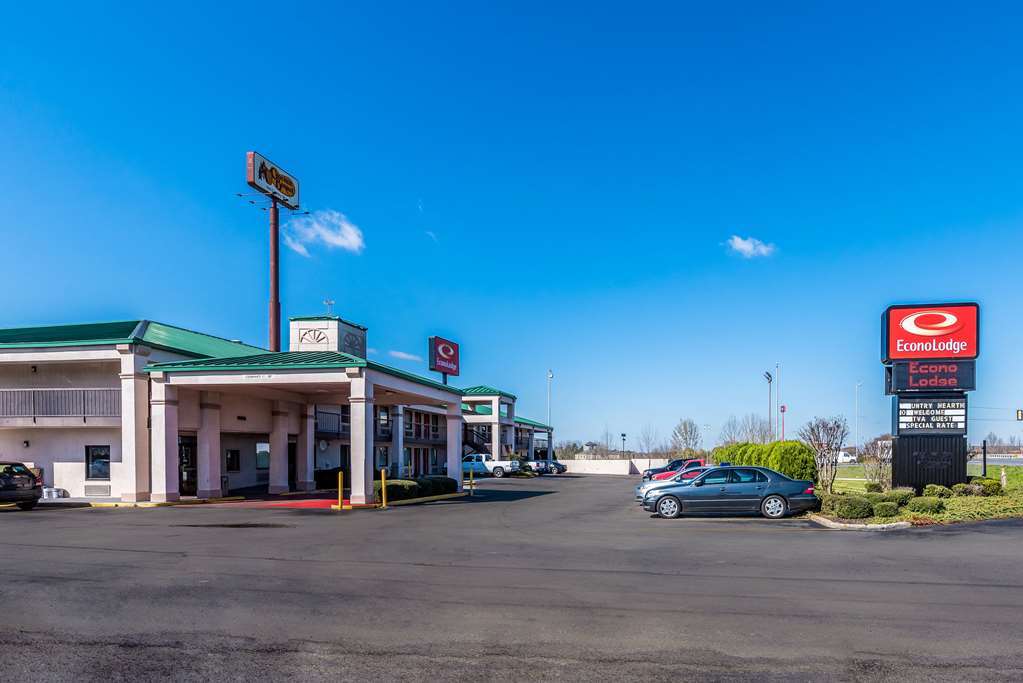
(340, 489)
(383, 488)
(471, 484)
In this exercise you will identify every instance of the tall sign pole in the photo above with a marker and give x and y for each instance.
(275, 278)
(282, 188)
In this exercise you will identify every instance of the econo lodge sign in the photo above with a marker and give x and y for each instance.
(443, 356)
(933, 331)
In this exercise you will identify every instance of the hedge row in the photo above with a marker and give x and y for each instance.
(405, 489)
(792, 458)
(863, 505)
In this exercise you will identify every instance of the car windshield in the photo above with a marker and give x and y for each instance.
(10, 469)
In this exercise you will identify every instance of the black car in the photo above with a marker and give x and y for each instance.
(732, 489)
(18, 485)
(556, 467)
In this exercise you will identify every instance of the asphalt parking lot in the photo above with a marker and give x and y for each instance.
(550, 578)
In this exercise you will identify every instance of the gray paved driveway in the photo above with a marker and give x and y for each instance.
(551, 578)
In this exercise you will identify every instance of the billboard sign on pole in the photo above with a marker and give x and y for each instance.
(270, 179)
(444, 356)
(931, 332)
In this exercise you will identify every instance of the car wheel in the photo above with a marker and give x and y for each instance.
(669, 507)
(773, 507)
(27, 506)
(498, 472)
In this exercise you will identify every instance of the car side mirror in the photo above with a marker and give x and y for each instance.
(699, 482)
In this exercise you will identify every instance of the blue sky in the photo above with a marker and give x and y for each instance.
(552, 185)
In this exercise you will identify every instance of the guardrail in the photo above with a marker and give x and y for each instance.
(60, 403)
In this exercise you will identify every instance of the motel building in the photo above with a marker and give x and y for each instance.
(145, 411)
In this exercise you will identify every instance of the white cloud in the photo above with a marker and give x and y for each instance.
(330, 228)
(750, 247)
(402, 355)
(372, 350)
(432, 235)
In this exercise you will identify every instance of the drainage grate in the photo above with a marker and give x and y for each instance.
(97, 490)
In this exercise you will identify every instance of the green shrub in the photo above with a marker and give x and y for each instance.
(397, 489)
(886, 509)
(794, 459)
(874, 498)
(926, 504)
(873, 487)
(989, 487)
(425, 487)
(853, 507)
(828, 501)
(937, 491)
(898, 496)
(961, 490)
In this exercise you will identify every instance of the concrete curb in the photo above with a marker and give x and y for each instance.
(140, 504)
(824, 521)
(428, 499)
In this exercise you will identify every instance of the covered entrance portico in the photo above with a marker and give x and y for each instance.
(276, 394)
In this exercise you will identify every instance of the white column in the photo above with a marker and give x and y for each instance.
(279, 448)
(454, 441)
(495, 427)
(164, 462)
(532, 438)
(397, 437)
(208, 445)
(134, 427)
(361, 402)
(305, 449)
(550, 444)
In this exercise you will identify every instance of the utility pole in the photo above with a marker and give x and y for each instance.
(770, 404)
(777, 398)
(623, 445)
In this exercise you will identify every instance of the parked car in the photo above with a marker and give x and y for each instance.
(19, 485)
(641, 489)
(732, 489)
(484, 463)
(687, 466)
(556, 467)
(672, 466)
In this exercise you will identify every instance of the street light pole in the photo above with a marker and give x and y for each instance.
(777, 398)
(623, 445)
(856, 445)
(770, 423)
(550, 376)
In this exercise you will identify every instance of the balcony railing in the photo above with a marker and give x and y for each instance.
(330, 423)
(60, 403)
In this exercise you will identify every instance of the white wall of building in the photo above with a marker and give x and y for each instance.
(61, 454)
(622, 467)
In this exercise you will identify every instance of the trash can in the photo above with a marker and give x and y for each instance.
(223, 484)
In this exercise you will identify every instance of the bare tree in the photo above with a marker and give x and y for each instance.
(877, 461)
(825, 437)
(686, 437)
(648, 440)
(755, 429)
(730, 431)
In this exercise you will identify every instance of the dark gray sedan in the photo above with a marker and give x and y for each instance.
(733, 489)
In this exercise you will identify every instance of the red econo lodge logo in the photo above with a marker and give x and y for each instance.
(935, 331)
(443, 356)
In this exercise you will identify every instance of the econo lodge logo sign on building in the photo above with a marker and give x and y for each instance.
(938, 331)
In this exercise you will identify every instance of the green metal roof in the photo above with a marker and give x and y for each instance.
(487, 410)
(531, 423)
(150, 333)
(484, 390)
(292, 360)
(329, 317)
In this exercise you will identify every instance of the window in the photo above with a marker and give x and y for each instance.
(262, 456)
(716, 477)
(97, 462)
(234, 460)
(381, 457)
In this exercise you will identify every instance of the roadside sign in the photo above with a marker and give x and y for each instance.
(270, 179)
(444, 356)
(931, 415)
(931, 331)
(917, 375)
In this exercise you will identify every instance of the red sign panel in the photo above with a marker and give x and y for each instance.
(443, 356)
(935, 331)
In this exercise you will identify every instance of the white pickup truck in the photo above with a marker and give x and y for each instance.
(483, 463)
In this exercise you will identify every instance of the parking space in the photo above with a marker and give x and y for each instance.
(550, 577)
